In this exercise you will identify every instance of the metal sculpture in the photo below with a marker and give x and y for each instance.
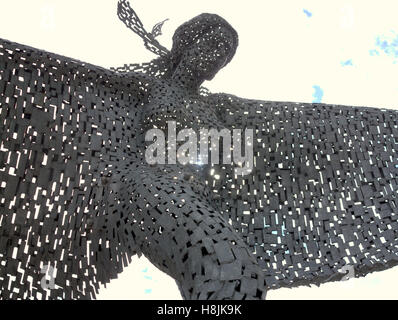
(78, 197)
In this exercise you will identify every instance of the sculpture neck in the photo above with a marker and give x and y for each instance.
(184, 78)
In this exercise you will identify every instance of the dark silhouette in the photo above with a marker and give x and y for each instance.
(77, 194)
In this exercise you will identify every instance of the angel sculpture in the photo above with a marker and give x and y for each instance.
(78, 197)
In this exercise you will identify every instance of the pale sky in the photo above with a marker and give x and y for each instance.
(289, 51)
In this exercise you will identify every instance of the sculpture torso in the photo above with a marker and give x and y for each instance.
(168, 102)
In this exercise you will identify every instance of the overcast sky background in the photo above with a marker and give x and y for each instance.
(342, 52)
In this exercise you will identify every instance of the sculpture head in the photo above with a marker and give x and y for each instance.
(204, 45)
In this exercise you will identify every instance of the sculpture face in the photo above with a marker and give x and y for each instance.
(204, 45)
(208, 55)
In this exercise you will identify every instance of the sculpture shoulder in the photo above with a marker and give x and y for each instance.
(225, 102)
(236, 111)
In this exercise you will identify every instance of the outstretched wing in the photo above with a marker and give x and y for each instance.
(67, 129)
(323, 194)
